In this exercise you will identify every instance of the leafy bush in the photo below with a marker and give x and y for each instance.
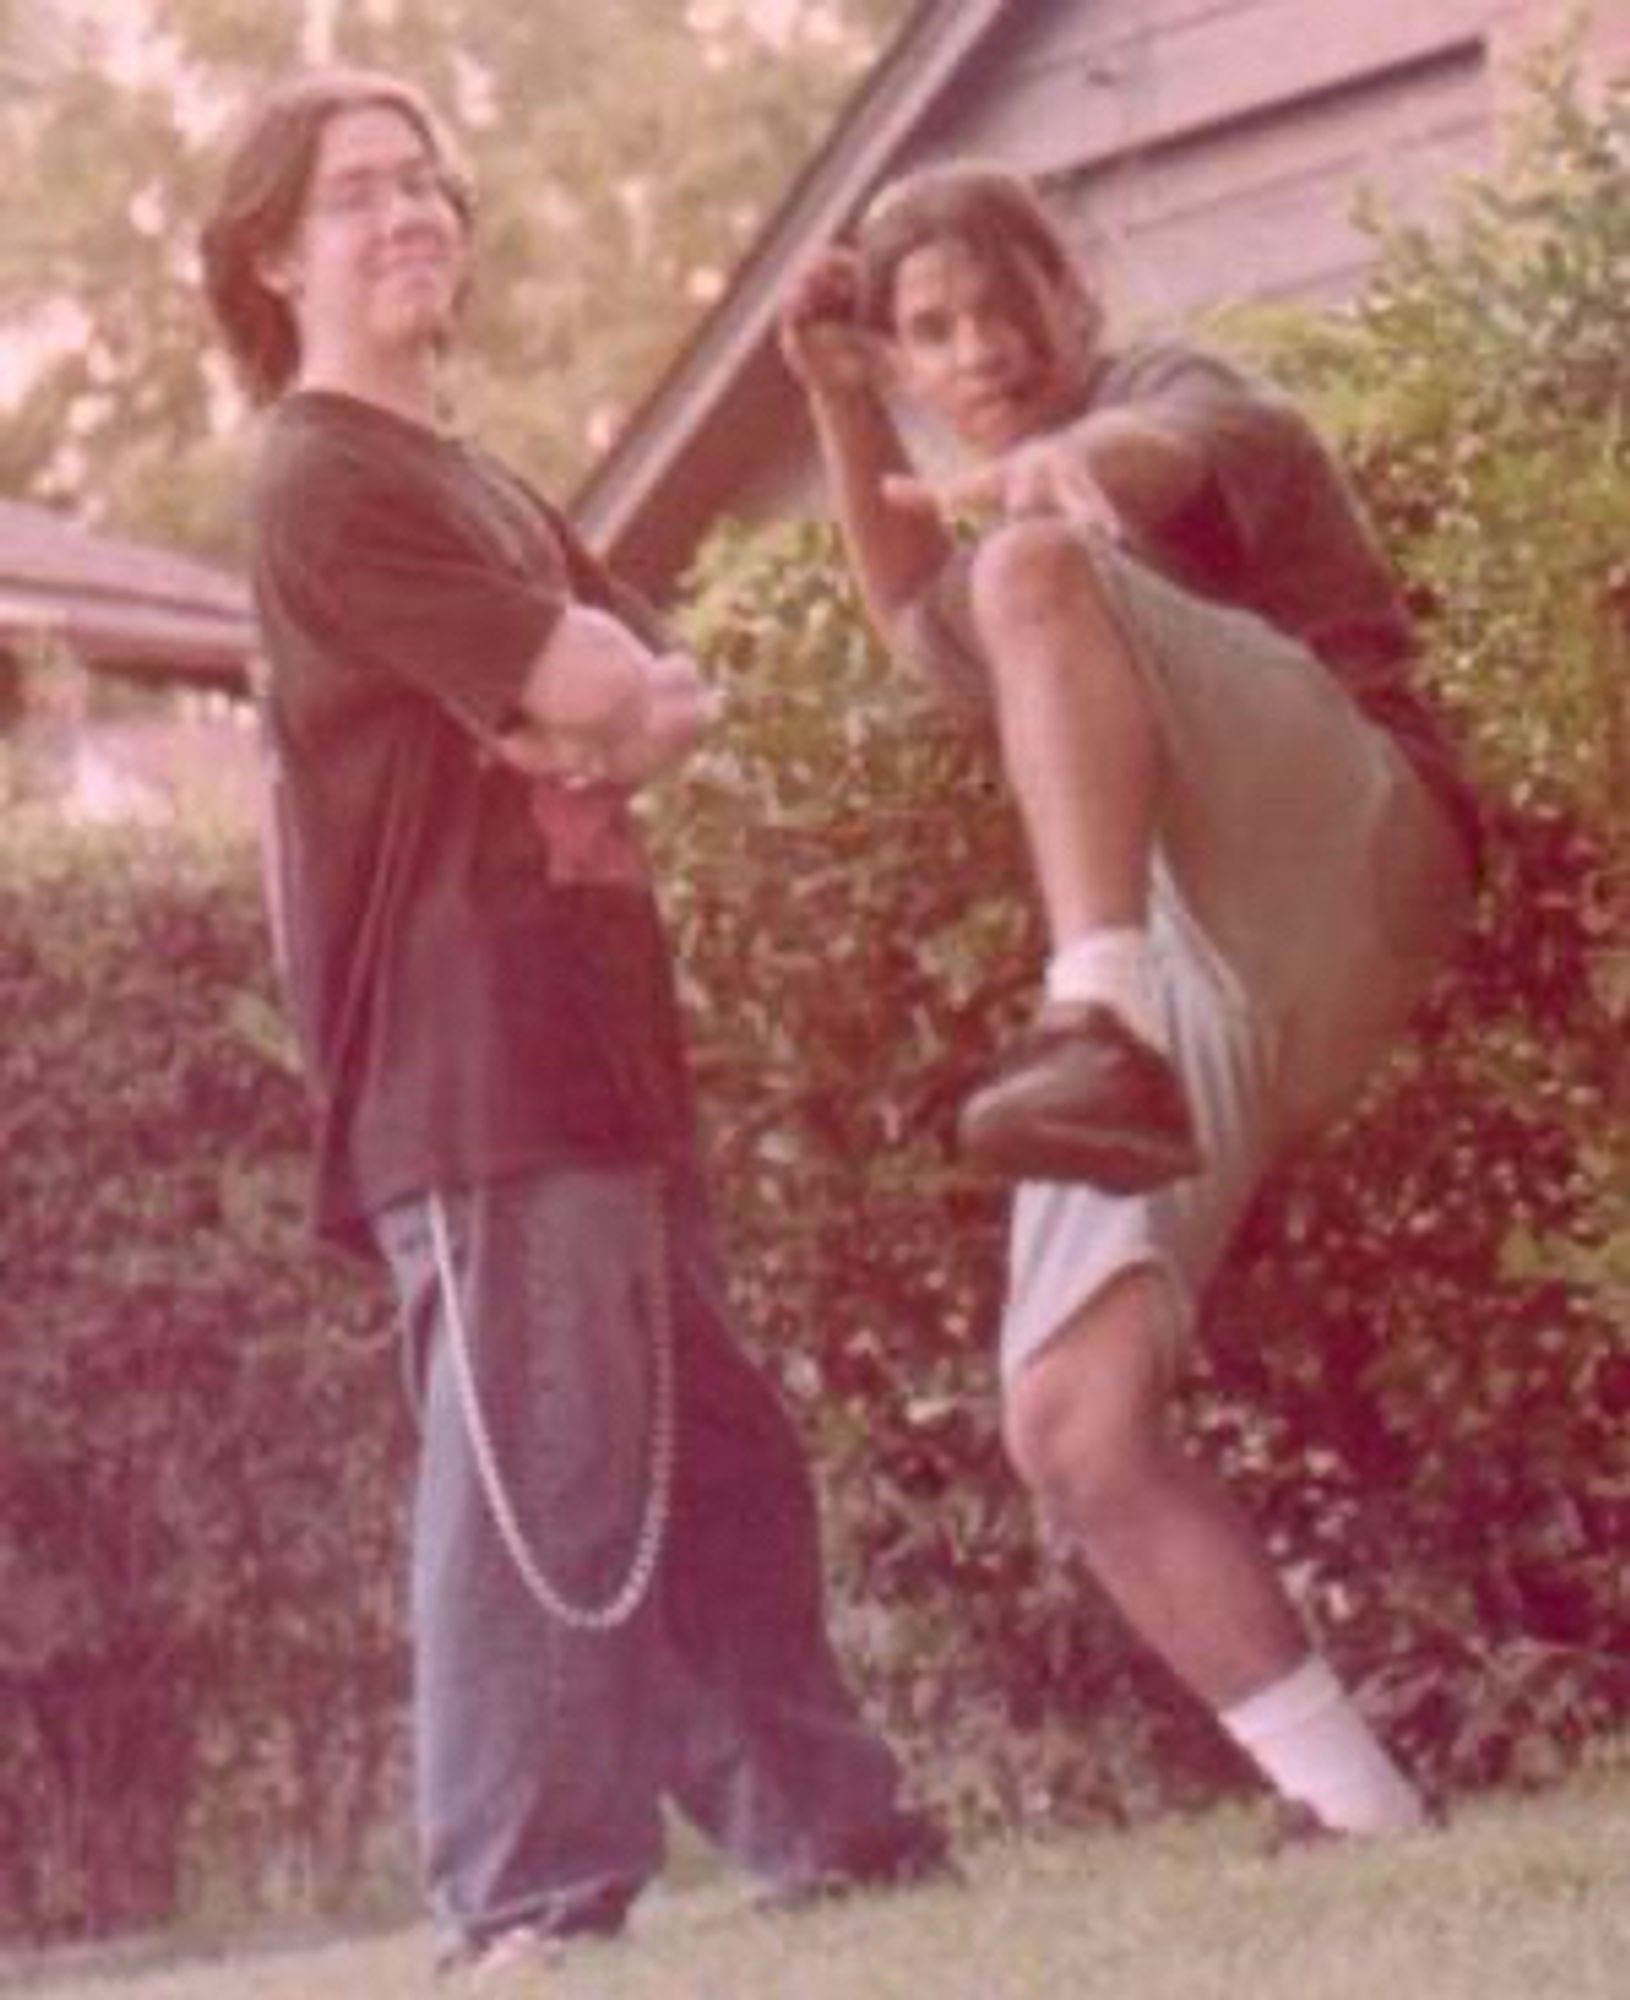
(1483, 387)
(200, 1471)
(1416, 1365)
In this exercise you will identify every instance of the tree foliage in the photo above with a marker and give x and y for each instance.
(625, 153)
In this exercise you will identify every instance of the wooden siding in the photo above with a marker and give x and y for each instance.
(1214, 149)
(1266, 208)
(1071, 82)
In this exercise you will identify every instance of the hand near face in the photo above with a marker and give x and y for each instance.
(823, 340)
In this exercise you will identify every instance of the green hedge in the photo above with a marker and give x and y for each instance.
(202, 1437)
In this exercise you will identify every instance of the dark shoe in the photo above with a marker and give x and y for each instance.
(1295, 1827)
(1079, 1097)
(915, 1855)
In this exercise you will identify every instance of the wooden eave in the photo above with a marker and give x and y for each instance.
(120, 605)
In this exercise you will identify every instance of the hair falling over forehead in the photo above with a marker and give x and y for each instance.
(261, 199)
(1000, 218)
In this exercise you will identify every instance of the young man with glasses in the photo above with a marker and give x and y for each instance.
(616, 1588)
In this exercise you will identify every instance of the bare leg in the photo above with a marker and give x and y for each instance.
(1078, 741)
(1092, 1095)
(1087, 1430)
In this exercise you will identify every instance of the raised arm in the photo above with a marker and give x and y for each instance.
(894, 552)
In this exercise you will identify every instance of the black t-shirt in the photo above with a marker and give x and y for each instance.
(463, 1016)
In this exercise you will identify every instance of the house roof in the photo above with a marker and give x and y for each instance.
(120, 604)
(682, 452)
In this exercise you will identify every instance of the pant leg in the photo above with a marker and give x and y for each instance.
(1305, 889)
(537, 1754)
(1297, 836)
(768, 1753)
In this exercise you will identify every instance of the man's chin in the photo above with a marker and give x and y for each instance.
(422, 323)
(996, 434)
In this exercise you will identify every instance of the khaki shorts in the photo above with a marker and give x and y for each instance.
(1306, 886)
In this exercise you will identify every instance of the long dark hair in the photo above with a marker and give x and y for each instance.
(261, 196)
(1001, 219)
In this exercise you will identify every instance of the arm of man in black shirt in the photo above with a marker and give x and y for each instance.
(600, 705)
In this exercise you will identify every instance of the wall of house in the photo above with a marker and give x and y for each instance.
(1211, 150)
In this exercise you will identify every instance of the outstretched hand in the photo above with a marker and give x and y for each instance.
(1050, 477)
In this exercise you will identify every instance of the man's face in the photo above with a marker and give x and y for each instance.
(377, 262)
(967, 350)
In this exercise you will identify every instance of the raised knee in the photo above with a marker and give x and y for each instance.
(1028, 569)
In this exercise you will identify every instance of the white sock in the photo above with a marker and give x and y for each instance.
(1112, 964)
(1310, 1742)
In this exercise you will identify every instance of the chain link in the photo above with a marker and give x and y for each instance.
(617, 1609)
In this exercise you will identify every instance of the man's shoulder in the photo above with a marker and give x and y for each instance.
(324, 460)
(1159, 362)
(302, 450)
(308, 432)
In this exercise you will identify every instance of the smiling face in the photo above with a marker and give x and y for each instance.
(993, 359)
(374, 270)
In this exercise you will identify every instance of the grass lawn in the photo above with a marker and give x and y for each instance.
(1521, 1899)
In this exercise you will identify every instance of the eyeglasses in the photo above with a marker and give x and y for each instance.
(367, 193)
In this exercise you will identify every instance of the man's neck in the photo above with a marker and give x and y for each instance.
(411, 389)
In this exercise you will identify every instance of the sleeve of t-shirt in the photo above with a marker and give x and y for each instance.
(399, 587)
(596, 584)
(1250, 435)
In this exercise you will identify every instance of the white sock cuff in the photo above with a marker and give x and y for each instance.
(1311, 1743)
(1308, 1690)
(1113, 964)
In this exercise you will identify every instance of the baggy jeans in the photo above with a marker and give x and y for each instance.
(543, 1751)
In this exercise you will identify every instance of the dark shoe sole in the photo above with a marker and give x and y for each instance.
(1294, 1828)
(1078, 1097)
(920, 1859)
(1041, 1148)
